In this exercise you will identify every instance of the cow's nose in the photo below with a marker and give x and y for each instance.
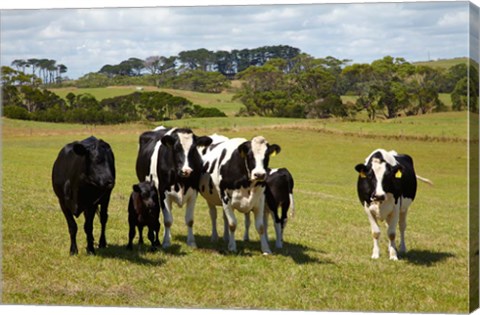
(109, 184)
(379, 198)
(259, 176)
(186, 172)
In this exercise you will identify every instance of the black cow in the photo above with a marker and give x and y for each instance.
(171, 157)
(83, 177)
(144, 210)
(234, 177)
(386, 186)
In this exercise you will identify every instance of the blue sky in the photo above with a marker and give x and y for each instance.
(86, 37)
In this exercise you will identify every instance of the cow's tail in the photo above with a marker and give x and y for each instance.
(425, 180)
(292, 205)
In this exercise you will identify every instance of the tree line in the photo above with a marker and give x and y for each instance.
(23, 100)
(48, 69)
(388, 87)
(282, 81)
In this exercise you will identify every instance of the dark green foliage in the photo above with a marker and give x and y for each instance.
(199, 81)
(16, 112)
(202, 112)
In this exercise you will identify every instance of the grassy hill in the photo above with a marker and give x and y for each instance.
(443, 63)
(222, 101)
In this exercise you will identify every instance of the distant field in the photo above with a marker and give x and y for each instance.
(325, 264)
(222, 101)
(445, 63)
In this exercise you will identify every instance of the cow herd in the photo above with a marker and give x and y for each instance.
(174, 165)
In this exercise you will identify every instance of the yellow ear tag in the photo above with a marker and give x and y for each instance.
(398, 174)
(363, 175)
(273, 153)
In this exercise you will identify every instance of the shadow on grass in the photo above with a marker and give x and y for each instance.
(115, 251)
(425, 257)
(297, 252)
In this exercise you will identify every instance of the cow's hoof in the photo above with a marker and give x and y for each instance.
(266, 253)
(102, 244)
(192, 244)
(375, 256)
(279, 245)
(152, 249)
(394, 258)
(166, 245)
(91, 252)
(130, 247)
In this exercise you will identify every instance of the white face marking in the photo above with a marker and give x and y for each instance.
(259, 147)
(379, 169)
(389, 156)
(186, 140)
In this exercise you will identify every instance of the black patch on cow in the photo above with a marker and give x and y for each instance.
(222, 156)
(212, 167)
(279, 186)
(210, 185)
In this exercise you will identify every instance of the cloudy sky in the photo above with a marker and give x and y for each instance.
(85, 39)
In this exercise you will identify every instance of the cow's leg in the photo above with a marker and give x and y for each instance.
(375, 232)
(189, 216)
(88, 228)
(72, 229)
(278, 228)
(140, 235)
(151, 237)
(213, 217)
(284, 219)
(131, 231)
(103, 221)
(403, 226)
(392, 221)
(232, 226)
(246, 236)
(156, 228)
(168, 221)
(259, 219)
(225, 228)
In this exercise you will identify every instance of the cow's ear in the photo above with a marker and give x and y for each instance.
(204, 141)
(362, 170)
(243, 149)
(273, 149)
(79, 149)
(168, 141)
(136, 188)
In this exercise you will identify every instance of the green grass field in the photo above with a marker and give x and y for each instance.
(325, 263)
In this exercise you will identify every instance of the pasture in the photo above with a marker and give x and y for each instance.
(325, 263)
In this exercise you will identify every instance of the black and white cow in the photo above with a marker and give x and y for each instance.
(234, 177)
(83, 177)
(144, 210)
(278, 194)
(171, 157)
(386, 186)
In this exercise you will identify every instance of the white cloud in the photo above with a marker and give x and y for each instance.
(87, 39)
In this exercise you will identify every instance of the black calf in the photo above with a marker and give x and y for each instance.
(144, 210)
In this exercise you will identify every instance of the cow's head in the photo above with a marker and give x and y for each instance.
(183, 145)
(99, 162)
(380, 176)
(256, 154)
(145, 198)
